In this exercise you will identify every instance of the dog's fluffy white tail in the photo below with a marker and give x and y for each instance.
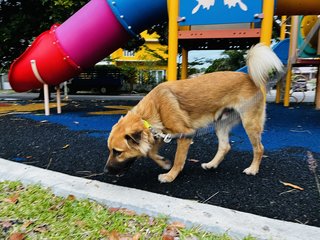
(262, 64)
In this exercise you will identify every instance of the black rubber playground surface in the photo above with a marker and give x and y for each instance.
(75, 143)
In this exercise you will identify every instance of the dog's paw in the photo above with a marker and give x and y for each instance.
(251, 171)
(207, 166)
(165, 178)
(166, 165)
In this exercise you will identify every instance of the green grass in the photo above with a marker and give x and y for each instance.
(32, 212)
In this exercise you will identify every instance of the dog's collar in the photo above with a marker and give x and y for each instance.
(157, 134)
(166, 137)
(146, 124)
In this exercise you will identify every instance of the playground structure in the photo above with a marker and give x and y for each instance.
(303, 38)
(102, 26)
(304, 47)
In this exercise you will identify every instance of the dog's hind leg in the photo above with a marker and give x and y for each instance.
(179, 160)
(153, 154)
(222, 128)
(253, 122)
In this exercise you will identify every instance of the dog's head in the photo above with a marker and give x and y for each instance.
(129, 139)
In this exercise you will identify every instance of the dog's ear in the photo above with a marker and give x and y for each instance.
(134, 138)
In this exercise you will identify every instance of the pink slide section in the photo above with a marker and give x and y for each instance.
(91, 33)
(62, 52)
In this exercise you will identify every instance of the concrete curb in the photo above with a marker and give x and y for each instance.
(215, 219)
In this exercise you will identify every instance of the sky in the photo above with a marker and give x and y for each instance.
(207, 54)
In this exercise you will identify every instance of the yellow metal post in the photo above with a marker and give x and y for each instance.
(283, 27)
(267, 22)
(282, 36)
(266, 29)
(173, 10)
(184, 64)
(291, 58)
(286, 99)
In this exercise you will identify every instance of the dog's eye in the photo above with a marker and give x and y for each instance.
(116, 152)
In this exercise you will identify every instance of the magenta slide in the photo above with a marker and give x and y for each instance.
(96, 30)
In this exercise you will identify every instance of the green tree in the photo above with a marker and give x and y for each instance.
(193, 66)
(276, 28)
(21, 21)
(130, 75)
(231, 60)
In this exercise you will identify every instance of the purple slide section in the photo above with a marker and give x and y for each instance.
(91, 34)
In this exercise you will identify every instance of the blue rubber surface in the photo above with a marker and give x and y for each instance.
(94, 125)
(297, 126)
(285, 127)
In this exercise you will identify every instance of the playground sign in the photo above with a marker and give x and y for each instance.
(205, 12)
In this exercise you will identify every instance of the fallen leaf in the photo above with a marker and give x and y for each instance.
(127, 212)
(104, 232)
(167, 237)
(124, 211)
(71, 197)
(25, 225)
(126, 237)
(170, 233)
(57, 206)
(136, 236)
(12, 199)
(193, 160)
(41, 228)
(114, 235)
(177, 225)
(66, 146)
(292, 185)
(80, 223)
(113, 210)
(289, 191)
(17, 236)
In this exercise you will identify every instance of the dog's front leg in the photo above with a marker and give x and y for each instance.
(179, 161)
(153, 154)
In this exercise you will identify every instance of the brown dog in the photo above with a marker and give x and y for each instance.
(222, 98)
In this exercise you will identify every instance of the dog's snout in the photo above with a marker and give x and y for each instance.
(113, 170)
(111, 167)
(105, 170)
(117, 168)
